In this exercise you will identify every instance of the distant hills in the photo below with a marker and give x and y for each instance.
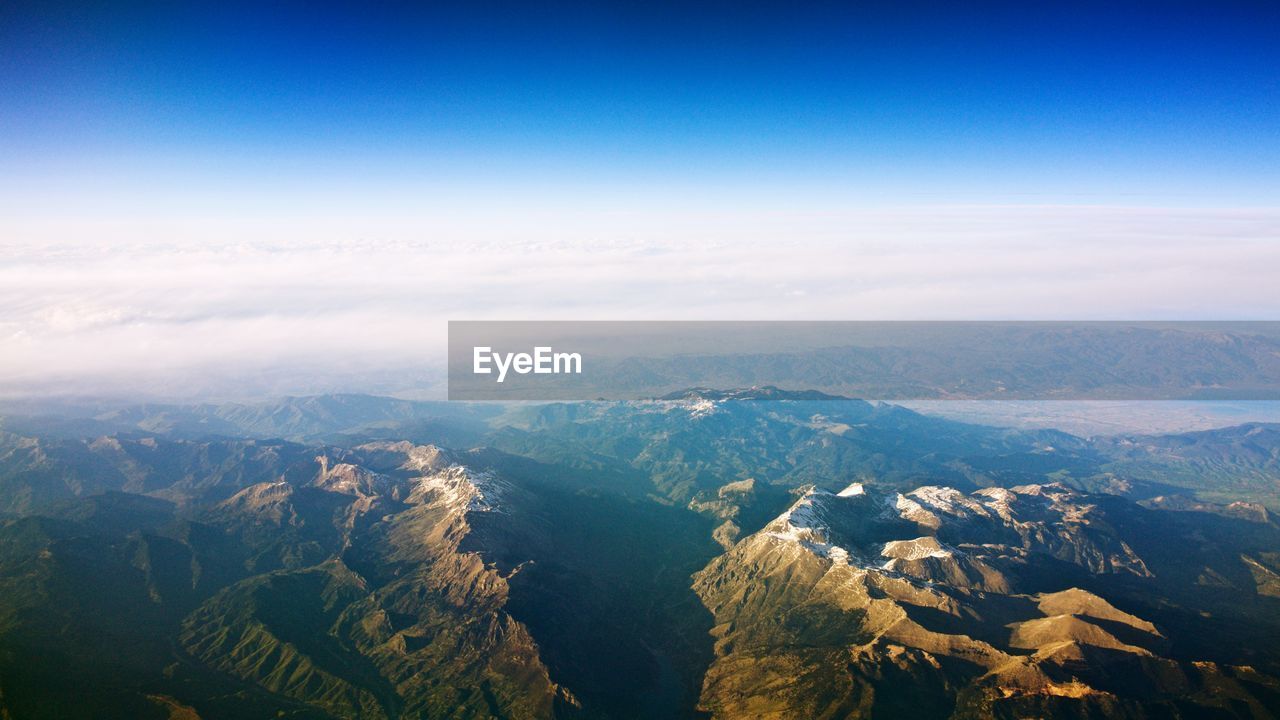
(294, 418)
(845, 436)
(915, 361)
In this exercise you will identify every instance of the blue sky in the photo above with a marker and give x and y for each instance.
(1115, 102)
(238, 198)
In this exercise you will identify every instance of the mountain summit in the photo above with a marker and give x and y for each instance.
(930, 604)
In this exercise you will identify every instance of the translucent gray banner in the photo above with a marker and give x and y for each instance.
(565, 360)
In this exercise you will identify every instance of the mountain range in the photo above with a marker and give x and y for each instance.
(750, 553)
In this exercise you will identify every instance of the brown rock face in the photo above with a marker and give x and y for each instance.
(872, 604)
(421, 632)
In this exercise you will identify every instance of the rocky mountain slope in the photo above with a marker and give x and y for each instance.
(931, 603)
(752, 553)
(389, 580)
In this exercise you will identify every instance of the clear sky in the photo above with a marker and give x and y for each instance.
(249, 173)
(1172, 102)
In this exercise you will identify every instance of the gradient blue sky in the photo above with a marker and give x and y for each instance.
(240, 198)
(1106, 102)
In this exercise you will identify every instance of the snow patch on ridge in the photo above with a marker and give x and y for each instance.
(700, 408)
(803, 524)
(696, 406)
(852, 490)
(917, 549)
(909, 509)
(423, 457)
(461, 489)
(948, 501)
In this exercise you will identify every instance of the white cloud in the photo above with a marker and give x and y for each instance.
(358, 301)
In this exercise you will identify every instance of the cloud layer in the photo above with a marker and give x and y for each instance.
(179, 305)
